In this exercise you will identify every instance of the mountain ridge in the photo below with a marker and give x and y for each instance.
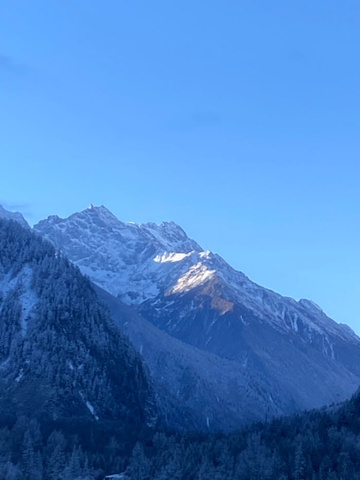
(284, 354)
(187, 250)
(196, 297)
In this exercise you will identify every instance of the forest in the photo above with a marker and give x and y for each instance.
(74, 393)
(315, 445)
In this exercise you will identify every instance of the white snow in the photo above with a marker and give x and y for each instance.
(21, 284)
(205, 255)
(170, 257)
(28, 300)
(116, 476)
(20, 375)
(89, 406)
(4, 363)
(195, 276)
(92, 410)
(128, 260)
(294, 324)
(328, 348)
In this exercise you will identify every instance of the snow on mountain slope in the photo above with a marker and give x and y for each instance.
(283, 312)
(150, 262)
(123, 258)
(19, 287)
(196, 297)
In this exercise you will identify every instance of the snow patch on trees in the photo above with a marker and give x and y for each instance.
(28, 298)
(92, 409)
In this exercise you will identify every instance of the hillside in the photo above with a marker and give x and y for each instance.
(71, 384)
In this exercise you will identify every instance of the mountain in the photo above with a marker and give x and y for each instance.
(117, 256)
(72, 386)
(16, 216)
(197, 390)
(287, 355)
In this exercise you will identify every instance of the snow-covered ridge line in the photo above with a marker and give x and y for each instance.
(140, 262)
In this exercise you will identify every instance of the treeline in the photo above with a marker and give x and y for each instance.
(315, 445)
(26, 454)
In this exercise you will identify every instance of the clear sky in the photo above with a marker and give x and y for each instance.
(238, 119)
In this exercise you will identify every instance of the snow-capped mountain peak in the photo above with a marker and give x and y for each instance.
(140, 262)
(168, 236)
(96, 214)
(126, 259)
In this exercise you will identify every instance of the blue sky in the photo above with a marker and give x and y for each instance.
(239, 120)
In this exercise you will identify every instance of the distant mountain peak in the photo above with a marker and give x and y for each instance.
(117, 252)
(98, 209)
(169, 234)
(101, 212)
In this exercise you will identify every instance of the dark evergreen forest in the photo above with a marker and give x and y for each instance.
(74, 396)
(315, 445)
